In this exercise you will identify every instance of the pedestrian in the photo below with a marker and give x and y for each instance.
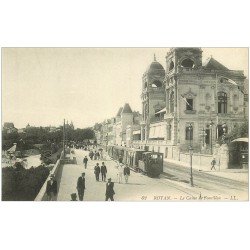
(51, 188)
(213, 162)
(103, 171)
(85, 161)
(109, 190)
(81, 186)
(97, 155)
(120, 172)
(126, 172)
(97, 171)
(91, 155)
(73, 197)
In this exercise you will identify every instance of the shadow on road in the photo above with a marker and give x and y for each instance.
(173, 178)
(139, 184)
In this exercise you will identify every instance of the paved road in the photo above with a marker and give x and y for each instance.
(139, 188)
(207, 181)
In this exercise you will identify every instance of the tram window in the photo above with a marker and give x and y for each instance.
(154, 156)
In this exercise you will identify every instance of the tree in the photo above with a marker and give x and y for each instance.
(238, 132)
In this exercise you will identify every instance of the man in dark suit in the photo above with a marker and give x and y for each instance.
(81, 186)
(103, 171)
(85, 161)
(51, 188)
(110, 190)
(97, 171)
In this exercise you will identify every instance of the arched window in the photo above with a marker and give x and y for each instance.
(171, 66)
(222, 103)
(187, 63)
(189, 133)
(235, 102)
(171, 102)
(157, 84)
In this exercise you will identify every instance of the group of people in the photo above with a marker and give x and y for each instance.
(94, 155)
(51, 188)
(123, 171)
(109, 195)
(102, 170)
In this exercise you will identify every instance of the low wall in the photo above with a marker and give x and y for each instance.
(200, 161)
(57, 171)
(42, 193)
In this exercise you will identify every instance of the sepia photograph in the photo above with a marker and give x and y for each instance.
(125, 124)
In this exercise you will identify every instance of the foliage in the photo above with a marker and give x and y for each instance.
(238, 132)
(40, 135)
(19, 184)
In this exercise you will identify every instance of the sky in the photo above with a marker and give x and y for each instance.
(42, 86)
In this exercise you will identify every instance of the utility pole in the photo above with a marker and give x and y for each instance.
(64, 138)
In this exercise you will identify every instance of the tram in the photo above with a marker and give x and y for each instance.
(147, 162)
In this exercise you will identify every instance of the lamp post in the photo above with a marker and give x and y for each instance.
(64, 138)
(224, 128)
(190, 127)
(203, 135)
(106, 142)
(211, 134)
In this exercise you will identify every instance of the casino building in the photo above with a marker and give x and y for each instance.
(189, 102)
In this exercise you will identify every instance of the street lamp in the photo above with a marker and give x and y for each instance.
(224, 128)
(106, 142)
(203, 134)
(190, 128)
(211, 130)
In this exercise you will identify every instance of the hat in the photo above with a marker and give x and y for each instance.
(109, 179)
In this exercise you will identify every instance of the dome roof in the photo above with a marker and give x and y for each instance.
(155, 67)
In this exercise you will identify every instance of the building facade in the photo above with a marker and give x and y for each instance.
(189, 102)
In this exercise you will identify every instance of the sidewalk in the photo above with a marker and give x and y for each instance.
(241, 175)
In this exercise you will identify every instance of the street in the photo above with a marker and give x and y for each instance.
(172, 186)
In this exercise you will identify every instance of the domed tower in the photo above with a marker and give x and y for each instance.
(153, 94)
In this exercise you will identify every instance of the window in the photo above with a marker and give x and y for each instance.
(157, 84)
(222, 103)
(171, 66)
(189, 133)
(171, 102)
(187, 63)
(189, 104)
(219, 131)
(169, 133)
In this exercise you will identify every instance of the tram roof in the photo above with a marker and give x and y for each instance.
(129, 149)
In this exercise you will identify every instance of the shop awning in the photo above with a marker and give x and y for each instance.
(156, 132)
(161, 111)
(244, 139)
(136, 132)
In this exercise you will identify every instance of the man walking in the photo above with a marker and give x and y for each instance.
(81, 186)
(97, 171)
(109, 190)
(103, 171)
(85, 161)
(213, 162)
(51, 188)
(126, 172)
(120, 172)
